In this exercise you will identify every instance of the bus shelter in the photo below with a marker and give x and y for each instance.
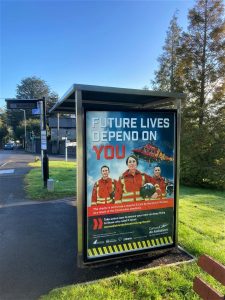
(127, 170)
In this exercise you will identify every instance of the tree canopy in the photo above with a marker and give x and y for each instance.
(36, 88)
(29, 88)
(198, 69)
(167, 77)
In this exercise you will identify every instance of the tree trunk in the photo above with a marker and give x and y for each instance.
(202, 91)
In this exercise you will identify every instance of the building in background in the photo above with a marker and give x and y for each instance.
(61, 127)
(61, 131)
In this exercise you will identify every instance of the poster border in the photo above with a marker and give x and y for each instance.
(138, 252)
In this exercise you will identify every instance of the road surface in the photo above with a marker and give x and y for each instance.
(37, 248)
(38, 239)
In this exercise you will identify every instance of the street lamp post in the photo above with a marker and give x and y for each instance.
(25, 129)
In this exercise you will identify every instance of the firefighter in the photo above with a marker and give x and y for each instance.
(158, 179)
(130, 183)
(104, 189)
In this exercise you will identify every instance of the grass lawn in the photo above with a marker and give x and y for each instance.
(64, 174)
(201, 230)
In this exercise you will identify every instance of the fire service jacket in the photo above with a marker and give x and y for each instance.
(102, 191)
(128, 187)
(160, 181)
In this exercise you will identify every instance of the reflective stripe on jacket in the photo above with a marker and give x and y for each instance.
(102, 190)
(128, 186)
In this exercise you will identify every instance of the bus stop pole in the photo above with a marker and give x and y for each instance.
(41, 127)
(45, 165)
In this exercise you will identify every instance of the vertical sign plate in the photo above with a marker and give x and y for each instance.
(43, 140)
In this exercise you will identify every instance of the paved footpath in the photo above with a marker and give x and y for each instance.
(12, 182)
(38, 241)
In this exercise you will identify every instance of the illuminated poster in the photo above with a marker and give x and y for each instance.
(130, 182)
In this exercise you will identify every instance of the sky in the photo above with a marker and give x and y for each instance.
(106, 43)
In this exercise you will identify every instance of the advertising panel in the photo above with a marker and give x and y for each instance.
(130, 182)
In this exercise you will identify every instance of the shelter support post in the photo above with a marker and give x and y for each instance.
(80, 174)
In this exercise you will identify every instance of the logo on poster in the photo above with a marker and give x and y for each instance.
(111, 241)
(98, 242)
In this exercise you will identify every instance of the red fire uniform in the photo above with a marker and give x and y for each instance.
(128, 187)
(160, 181)
(102, 190)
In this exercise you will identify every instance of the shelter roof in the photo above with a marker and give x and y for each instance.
(99, 96)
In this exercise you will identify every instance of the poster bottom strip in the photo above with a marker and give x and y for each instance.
(131, 246)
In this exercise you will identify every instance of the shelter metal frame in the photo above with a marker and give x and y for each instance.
(82, 97)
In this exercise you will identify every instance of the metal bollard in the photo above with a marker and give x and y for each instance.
(45, 168)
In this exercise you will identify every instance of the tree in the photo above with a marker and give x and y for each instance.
(32, 126)
(36, 88)
(167, 77)
(203, 71)
(202, 152)
(30, 88)
(203, 58)
(3, 128)
(198, 69)
(51, 100)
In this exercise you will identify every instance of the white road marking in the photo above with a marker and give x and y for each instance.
(9, 171)
(4, 164)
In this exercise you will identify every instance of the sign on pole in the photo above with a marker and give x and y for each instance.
(71, 144)
(43, 140)
(21, 104)
(130, 182)
(36, 111)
